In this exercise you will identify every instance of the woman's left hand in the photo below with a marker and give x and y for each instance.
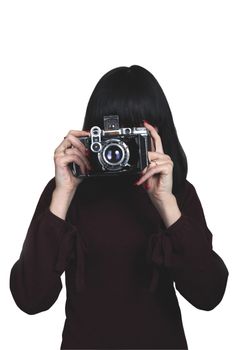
(157, 176)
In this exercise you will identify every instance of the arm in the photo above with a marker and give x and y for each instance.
(200, 275)
(168, 209)
(35, 281)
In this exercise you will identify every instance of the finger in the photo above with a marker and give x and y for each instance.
(153, 149)
(152, 156)
(62, 146)
(156, 138)
(158, 162)
(63, 161)
(69, 141)
(76, 143)
(80, 155)
(157, 155)
(78, 133)
(164, 169)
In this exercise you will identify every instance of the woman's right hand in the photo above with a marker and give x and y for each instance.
(70, 150)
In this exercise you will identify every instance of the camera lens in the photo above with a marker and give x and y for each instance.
(113, 154)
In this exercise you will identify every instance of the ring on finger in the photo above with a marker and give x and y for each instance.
(153, 160)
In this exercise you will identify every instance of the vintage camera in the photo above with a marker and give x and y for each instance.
(115, 150)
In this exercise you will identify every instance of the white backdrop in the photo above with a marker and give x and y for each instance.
(52, 55)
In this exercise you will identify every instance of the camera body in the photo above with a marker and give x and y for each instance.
(115, 150)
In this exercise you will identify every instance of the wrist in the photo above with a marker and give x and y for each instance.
(168, 209)
(65, 192)
(60, 202)
(164, 200)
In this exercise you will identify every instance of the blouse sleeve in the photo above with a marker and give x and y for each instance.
(185, 249)
(35, 281)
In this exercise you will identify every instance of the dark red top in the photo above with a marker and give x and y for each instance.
(121, 266)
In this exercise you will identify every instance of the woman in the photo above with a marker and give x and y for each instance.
(122, 243)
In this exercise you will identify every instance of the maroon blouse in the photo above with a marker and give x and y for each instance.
(121, 265)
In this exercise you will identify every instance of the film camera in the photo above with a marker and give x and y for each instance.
(115, 150)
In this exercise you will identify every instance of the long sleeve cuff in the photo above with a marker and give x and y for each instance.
(189, 241)
(69, 239)
(50, 244)
(185, 250)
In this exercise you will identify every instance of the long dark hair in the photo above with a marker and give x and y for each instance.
(134, 94)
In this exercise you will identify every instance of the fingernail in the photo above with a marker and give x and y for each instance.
(135, 183)
(144, 120)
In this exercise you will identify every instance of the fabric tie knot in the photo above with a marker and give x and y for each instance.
(158, 253)
(81, 250)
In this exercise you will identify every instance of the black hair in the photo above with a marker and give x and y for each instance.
(134, 94)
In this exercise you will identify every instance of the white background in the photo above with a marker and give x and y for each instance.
(52, 55)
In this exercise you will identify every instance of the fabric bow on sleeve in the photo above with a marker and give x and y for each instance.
(80, 256)
(81, 250)
(158, 253)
